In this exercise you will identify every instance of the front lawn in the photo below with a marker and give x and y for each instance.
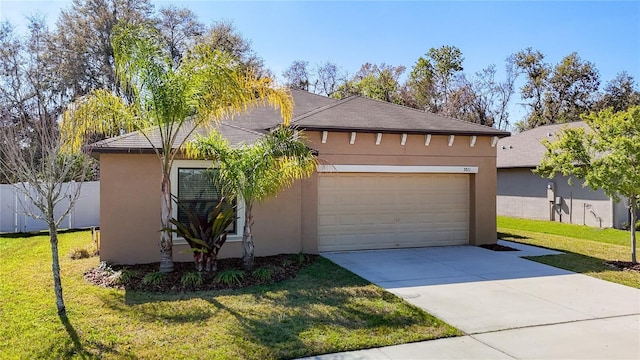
(324, 309)
(586, 249)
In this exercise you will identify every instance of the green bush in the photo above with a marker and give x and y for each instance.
(153, 278)
(191, 279)
(230, 277)
(299, 258)
(123, 277)
(262, 274)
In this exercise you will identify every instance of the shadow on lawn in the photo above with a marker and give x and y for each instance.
(26, 235)
(322, 294)
(507, 236)
(76, 349)
(568, 260)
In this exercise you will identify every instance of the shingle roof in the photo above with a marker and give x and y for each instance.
(135, 142)
(525, 150)
(266, 117)
(318, 113)
(364, 114)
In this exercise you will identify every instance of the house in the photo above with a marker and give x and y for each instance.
(390, 177)
(523, 194)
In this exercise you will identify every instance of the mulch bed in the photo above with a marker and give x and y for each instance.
(624, 265)
(496, 247)
(281, 267)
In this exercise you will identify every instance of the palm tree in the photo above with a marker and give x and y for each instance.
(256, 172)
(167, 101)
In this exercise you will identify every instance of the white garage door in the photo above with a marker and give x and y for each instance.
(382, 211)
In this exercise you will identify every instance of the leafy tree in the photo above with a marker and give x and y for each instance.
(82, 54)
(432, 76)
(375, 82)
(571, 88)
(556, 94)
(257, 172)
(180, 29)
(170, 101)
(297, 75)
(224, 37)
(607, 157)
(532, 64)
(28, 97)
(620, 94)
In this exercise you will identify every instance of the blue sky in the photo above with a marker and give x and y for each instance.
(351, 33)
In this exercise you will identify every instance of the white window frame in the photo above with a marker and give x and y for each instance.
(203, 164)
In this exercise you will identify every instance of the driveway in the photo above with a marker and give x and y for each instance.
(509, 307)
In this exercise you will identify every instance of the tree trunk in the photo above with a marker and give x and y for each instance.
(247, 238)
(166, 242)
(55, 268)
(633, 207)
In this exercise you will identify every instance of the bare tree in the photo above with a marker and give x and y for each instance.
(31, 154)
(40, 170)
(328, 78)
(297, 75)
(481, 99)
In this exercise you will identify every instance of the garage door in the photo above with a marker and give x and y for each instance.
(381, 211)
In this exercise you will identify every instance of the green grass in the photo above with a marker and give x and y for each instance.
(586, 249)
(324, 309)
(608, 235)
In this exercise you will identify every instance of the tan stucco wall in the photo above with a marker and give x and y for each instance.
(130, 215)
(338, 151)
(130, 195)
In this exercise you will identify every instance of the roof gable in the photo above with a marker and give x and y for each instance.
(525, 150)
(358, 113)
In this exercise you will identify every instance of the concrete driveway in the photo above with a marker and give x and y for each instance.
(509, 307)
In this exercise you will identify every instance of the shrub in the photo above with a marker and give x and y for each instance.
(83, 253)
(123, 277)
(625, 226)
(262, 274)
(191, 279)
(299, 258)
(153, 278)
(230, 277)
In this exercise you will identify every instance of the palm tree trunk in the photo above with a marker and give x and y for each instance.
(247, 238)
(633, 207)
(166, 242)
(55, 269)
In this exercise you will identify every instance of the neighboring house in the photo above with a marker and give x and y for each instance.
(390, 177)
(523, 194)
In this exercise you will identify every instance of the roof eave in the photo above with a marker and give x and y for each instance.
(497, 133)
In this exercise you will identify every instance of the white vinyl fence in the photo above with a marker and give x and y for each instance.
(86, 212)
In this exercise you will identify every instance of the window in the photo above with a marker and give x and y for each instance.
(193, 185)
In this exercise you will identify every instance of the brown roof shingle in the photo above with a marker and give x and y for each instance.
(364, 114)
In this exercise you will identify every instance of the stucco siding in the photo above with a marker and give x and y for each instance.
(130, 195)
(130, 215)
(338, 150)
(523, 194)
